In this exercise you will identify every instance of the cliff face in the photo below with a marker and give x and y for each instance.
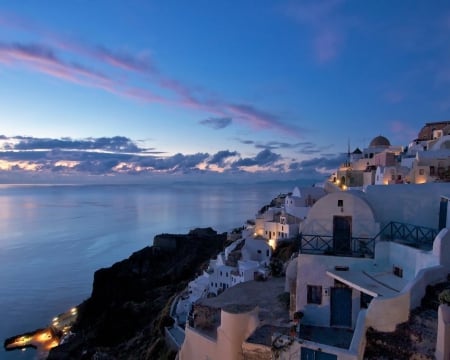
(128, 308)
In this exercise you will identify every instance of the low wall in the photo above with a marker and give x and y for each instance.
(443, 333)
(384, 314)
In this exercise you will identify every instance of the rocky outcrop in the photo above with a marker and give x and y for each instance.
(129, 304)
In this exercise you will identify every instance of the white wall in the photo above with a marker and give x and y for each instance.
(311, 270)
(443, 333)
(256, 249)
(407, 203)
(320, 218)
(234, 329)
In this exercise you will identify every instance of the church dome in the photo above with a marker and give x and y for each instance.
(379, 141)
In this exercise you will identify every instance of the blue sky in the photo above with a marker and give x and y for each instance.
(235, 87)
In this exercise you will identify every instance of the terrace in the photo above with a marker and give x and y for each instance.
(407, 234)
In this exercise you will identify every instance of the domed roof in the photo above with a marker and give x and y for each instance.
(379, 141)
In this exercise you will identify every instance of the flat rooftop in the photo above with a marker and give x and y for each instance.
(371, 283)
(247, 295)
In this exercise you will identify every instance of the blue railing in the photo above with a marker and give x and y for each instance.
(324, 244)
(412, 235)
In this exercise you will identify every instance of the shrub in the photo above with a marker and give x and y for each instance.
(444, 297)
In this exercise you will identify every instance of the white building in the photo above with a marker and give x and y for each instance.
(363, 264)
(282, 223)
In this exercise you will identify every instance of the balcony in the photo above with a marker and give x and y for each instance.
(412, 235)
(328, 245)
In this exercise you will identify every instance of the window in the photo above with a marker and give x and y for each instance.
(340, 203)
(421, 171)
(398, 271)
(432, 170)
(392, 177)
(365, 300)
(314, 295)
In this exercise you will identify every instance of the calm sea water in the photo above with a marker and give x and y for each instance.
(53, 238)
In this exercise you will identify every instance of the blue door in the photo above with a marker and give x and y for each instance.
(341, 306)
(342, 234)
(310, 354)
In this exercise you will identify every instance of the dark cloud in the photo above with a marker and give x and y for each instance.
(216, 123)
(263, 158)
(96, 166)
(328, 163)
(173, 163)
(36, 50)
(114, 144)
(304, 146)
(272, 145)
(219, 157)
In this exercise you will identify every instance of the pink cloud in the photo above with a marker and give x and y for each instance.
(49, 60)
(261, 120)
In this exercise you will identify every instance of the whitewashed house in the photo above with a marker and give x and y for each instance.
(365, 260)
(220, 278)
(282, 223)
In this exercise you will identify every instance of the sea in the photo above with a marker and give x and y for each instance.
(54, 237)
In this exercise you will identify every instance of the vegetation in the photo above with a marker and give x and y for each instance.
(444, 297)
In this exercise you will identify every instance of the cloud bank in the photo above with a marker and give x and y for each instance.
(119, 156)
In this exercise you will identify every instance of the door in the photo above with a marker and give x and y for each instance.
(341, 306)
(310, 354)
(342, 234)
(443, 213)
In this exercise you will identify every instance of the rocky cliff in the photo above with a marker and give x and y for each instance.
(128, 306)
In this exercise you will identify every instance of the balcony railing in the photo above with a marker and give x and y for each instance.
(412, 235)
(325, 244)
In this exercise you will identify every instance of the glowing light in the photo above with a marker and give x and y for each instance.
(344, 187)
(272, 243)
(338, 181)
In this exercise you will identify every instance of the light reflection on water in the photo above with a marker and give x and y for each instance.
(53, 238)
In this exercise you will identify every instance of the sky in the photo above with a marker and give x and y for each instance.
(222, 89)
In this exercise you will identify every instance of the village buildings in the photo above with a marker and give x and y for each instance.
(365, 258)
